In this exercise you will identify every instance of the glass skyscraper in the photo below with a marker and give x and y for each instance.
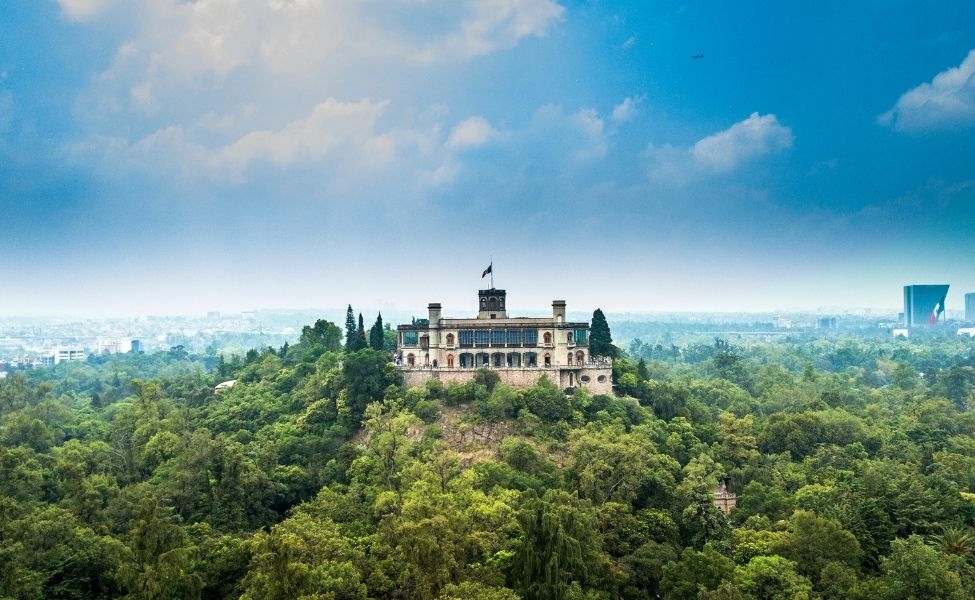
(924, 304)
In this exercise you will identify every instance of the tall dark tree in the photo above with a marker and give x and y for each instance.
(376, 334)
(642, 372)
(360, 335)
(350, 329)
(600, 339)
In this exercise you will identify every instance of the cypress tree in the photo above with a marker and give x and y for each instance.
(642, 373)
(600, 338)
(350, 330)
(360, 335)
(376, 337)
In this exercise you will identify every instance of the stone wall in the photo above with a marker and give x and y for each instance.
(600, 377)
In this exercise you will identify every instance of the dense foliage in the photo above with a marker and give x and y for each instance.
(318, 475)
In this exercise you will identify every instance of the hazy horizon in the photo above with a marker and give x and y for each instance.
(170, 157)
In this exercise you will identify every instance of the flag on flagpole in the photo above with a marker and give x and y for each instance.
(487, 270)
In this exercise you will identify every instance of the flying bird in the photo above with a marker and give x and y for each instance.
(697, 56)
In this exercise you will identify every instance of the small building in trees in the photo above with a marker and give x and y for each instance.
(520, 349)
(724, 499)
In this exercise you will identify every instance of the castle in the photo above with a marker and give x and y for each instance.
(520, 349)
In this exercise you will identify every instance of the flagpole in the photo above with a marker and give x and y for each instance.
(491, 264)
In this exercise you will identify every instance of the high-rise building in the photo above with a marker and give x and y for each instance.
(136, 346)
(826, 323)
(924, 304)
(970, 306)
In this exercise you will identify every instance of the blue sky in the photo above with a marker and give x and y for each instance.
(178, 156)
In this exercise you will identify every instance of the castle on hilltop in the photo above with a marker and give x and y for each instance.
(520, 349)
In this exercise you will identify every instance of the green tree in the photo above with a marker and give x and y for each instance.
(304, 557)
(546, 401)
(366, 375)
(159, 561)
(350, 344)
(642, 373)
(600, 338)
(360, 335)
(376, 336)
(696, 572)
(814, 542)
(701, 520)
(559, 547)
(771, 578)
(323, 333)
(914, 570)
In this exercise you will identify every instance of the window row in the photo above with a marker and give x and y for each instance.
(469, 338)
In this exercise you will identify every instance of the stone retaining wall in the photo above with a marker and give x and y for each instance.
(600, 378)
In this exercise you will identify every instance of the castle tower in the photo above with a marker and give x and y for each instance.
(491, 303)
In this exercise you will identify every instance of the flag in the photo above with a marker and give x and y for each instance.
(487, 270)
(938, 309)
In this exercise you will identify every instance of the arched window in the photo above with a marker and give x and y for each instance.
(569, 337)
(426, 360)
(581, 357)
(450, 361)
(569, 359)
(547, 337)
(450, 339)
(410, 360)
(548, 358)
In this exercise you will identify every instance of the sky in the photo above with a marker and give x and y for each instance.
(178, 156)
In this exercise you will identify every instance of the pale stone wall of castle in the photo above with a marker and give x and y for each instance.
(600, 377)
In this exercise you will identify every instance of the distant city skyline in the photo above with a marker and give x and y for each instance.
(171, 157)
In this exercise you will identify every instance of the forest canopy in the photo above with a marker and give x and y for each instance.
(319, 475)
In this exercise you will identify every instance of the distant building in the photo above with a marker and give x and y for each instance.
(64, 355)
(970, 306)
(520, 349)
(969, 331)
(213, 314)
(826, 323)
(110, 346)
(901, 332)
(224, 386)
(136, 346)
(924, 304)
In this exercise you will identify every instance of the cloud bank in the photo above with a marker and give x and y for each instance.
(722, 152)
(947, 101)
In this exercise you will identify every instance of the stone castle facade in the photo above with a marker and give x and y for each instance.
(520, 349)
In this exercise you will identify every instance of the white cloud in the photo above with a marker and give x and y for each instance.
(336, 132)
(580, 135)
(722, 152)
(188, 68)
(627, 109)
(83, 10)
(493, 25)
(949, 99)
(474, 131)
(331, 126)
(757, 135)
